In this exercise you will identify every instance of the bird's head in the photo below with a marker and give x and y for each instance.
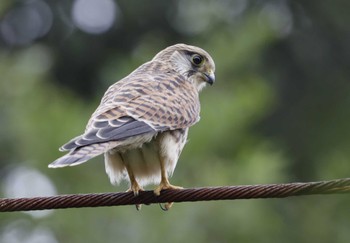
(190, 61)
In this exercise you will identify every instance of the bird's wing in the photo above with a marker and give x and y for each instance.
(109, 130)
(103, 136)
(141, 103)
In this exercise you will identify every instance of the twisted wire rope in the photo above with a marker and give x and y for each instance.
(185, 195)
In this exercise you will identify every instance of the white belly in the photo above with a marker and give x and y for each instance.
(144, 160)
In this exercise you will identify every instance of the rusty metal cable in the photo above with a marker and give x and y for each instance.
(185, 195)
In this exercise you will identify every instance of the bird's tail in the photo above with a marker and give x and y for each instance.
(82, 154)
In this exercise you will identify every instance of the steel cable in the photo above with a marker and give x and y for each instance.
(184, 195)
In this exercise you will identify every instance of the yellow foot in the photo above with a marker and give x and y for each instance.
(135, 188)
(165, 185)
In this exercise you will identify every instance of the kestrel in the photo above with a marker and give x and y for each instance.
(142, 122)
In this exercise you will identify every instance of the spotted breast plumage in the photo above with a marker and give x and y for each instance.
(142, 122)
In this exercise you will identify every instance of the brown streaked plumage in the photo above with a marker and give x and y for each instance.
(142, 122)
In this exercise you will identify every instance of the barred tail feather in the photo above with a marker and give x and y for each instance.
(82, 154)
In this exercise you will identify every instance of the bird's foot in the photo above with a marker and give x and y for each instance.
(162, 186)
(165, 185)
(136, 188)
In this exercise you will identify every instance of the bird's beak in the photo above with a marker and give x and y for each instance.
(209, 77)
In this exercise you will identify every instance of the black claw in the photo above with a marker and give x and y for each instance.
(164, 208)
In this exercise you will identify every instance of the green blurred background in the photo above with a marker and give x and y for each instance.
(279, 112)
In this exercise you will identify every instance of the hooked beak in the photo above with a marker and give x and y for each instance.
(209, 77)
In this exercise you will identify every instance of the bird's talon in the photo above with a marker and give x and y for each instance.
(164, 186)
(135, 189)
(166, 206)
(138, 207)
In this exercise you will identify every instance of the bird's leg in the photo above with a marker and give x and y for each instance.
(134, 186)
(164, 183)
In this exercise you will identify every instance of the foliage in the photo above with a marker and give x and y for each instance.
(277, 113)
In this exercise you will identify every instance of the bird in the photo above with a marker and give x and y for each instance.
(142, 122)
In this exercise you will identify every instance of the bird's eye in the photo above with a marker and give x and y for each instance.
(197, 59)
